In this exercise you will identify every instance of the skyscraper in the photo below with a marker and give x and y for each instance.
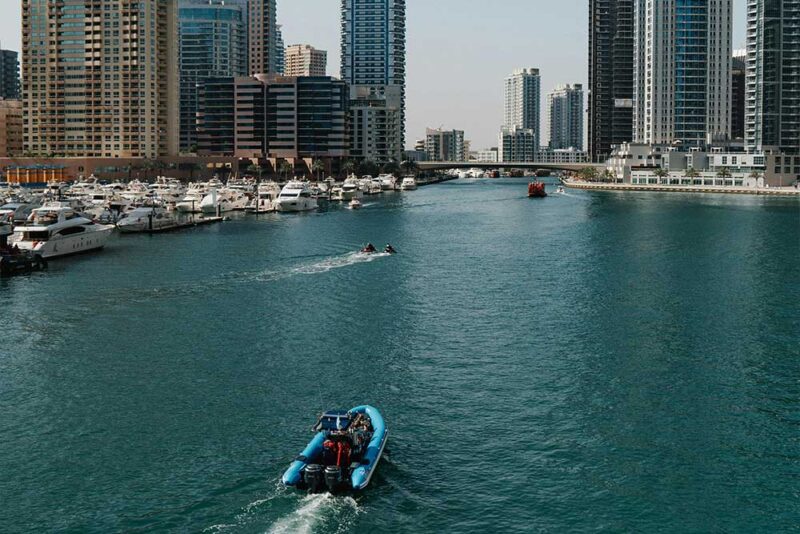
(280, 50)
(263, 37)
(773, 82)
(373, 50)
(305, 60)
(738, 93)
(565, 115)
(445, 145)
(100, 78)
(523, 102)
(9, 75)
(213, 43)
(682, 73)
(610, 75)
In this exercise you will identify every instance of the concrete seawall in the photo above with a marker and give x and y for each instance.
(774, 191)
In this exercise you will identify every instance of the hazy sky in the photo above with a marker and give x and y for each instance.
(459, 52)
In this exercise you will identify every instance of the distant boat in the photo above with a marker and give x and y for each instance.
(536, 189)
(408, 184)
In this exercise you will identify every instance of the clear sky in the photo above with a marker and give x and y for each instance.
(459, 52)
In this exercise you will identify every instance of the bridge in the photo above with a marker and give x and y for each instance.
(443, 165)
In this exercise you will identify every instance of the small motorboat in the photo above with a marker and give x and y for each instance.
(343, 454)
(536, 189)
(354, 204)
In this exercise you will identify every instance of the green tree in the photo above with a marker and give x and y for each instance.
(724, 172)
(318, 167)
(608, 176)
(349, 167)
(589, 174)
(285, 168)
(410, 167)
(368, 167)
(661, 172)
(391, 168)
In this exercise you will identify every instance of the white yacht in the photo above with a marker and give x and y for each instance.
(60, 231)
(351, 189)
(147, 219)
(168, 189)
(296, 196)
(190, 203)
(266, 198)
(408, 184)
(388, 182)
(223, 200)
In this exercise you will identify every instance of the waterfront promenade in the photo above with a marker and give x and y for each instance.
(770, 191)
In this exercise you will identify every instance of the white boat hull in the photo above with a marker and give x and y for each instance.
(293, 205)
(68, 245)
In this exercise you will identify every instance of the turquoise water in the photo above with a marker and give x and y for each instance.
(591, 361)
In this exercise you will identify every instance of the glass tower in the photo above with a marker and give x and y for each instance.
(373, 48)
(682, 71)
(9, 75)
(213, 43)
(773, 75)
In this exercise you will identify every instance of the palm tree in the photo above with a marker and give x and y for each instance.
(367, 167)
(349, 166)
(285, 168)
(589, 174)
(409, 167)
(318, 167)
(193, 167)
(391, 168)
(256, 169)
(690, 174)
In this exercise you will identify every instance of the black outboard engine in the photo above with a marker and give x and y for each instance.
(314, 478)
(333, 478)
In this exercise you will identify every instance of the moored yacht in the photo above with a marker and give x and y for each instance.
(148, 219)
(266, 198)
(351, 189)
(296, 196)
(60, 231)
(223, 200)
(408, 184)
(388, 182)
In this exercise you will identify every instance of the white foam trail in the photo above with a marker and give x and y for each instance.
(315, 509)
(338, 262)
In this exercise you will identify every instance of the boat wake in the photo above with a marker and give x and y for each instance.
(322, 512)
(321, 266)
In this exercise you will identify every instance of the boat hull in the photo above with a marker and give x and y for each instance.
(361, 476)
(68, 245)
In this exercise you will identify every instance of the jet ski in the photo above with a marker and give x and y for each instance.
(389, 250)
(343, 454)
(369, 249)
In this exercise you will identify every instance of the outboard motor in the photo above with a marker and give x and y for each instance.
(314, 478)
(333, 478)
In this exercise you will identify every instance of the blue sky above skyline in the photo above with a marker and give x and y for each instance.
(458, 52)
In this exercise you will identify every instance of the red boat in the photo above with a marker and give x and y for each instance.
(536, 190)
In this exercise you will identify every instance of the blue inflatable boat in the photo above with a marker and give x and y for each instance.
(343, 454)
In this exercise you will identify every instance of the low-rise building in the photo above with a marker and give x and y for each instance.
(517, 145)
(375, 124)
(485, 156)
(304, 60)
(562, 155)
(445, 145)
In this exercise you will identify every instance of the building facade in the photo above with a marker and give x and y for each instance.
(682, 74)
(274, 117)
(773, 81)
(280, 50)
(445, 145)
(263, 37)
(517, 145)
(9, 75)
(373, 51)
(376, 124)
(231, 118)
(610, 75)
(100, 78)
(738, 93)
(565, 117)
(213, 44)
(10, 128)
(523, 102)
(305, 60)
